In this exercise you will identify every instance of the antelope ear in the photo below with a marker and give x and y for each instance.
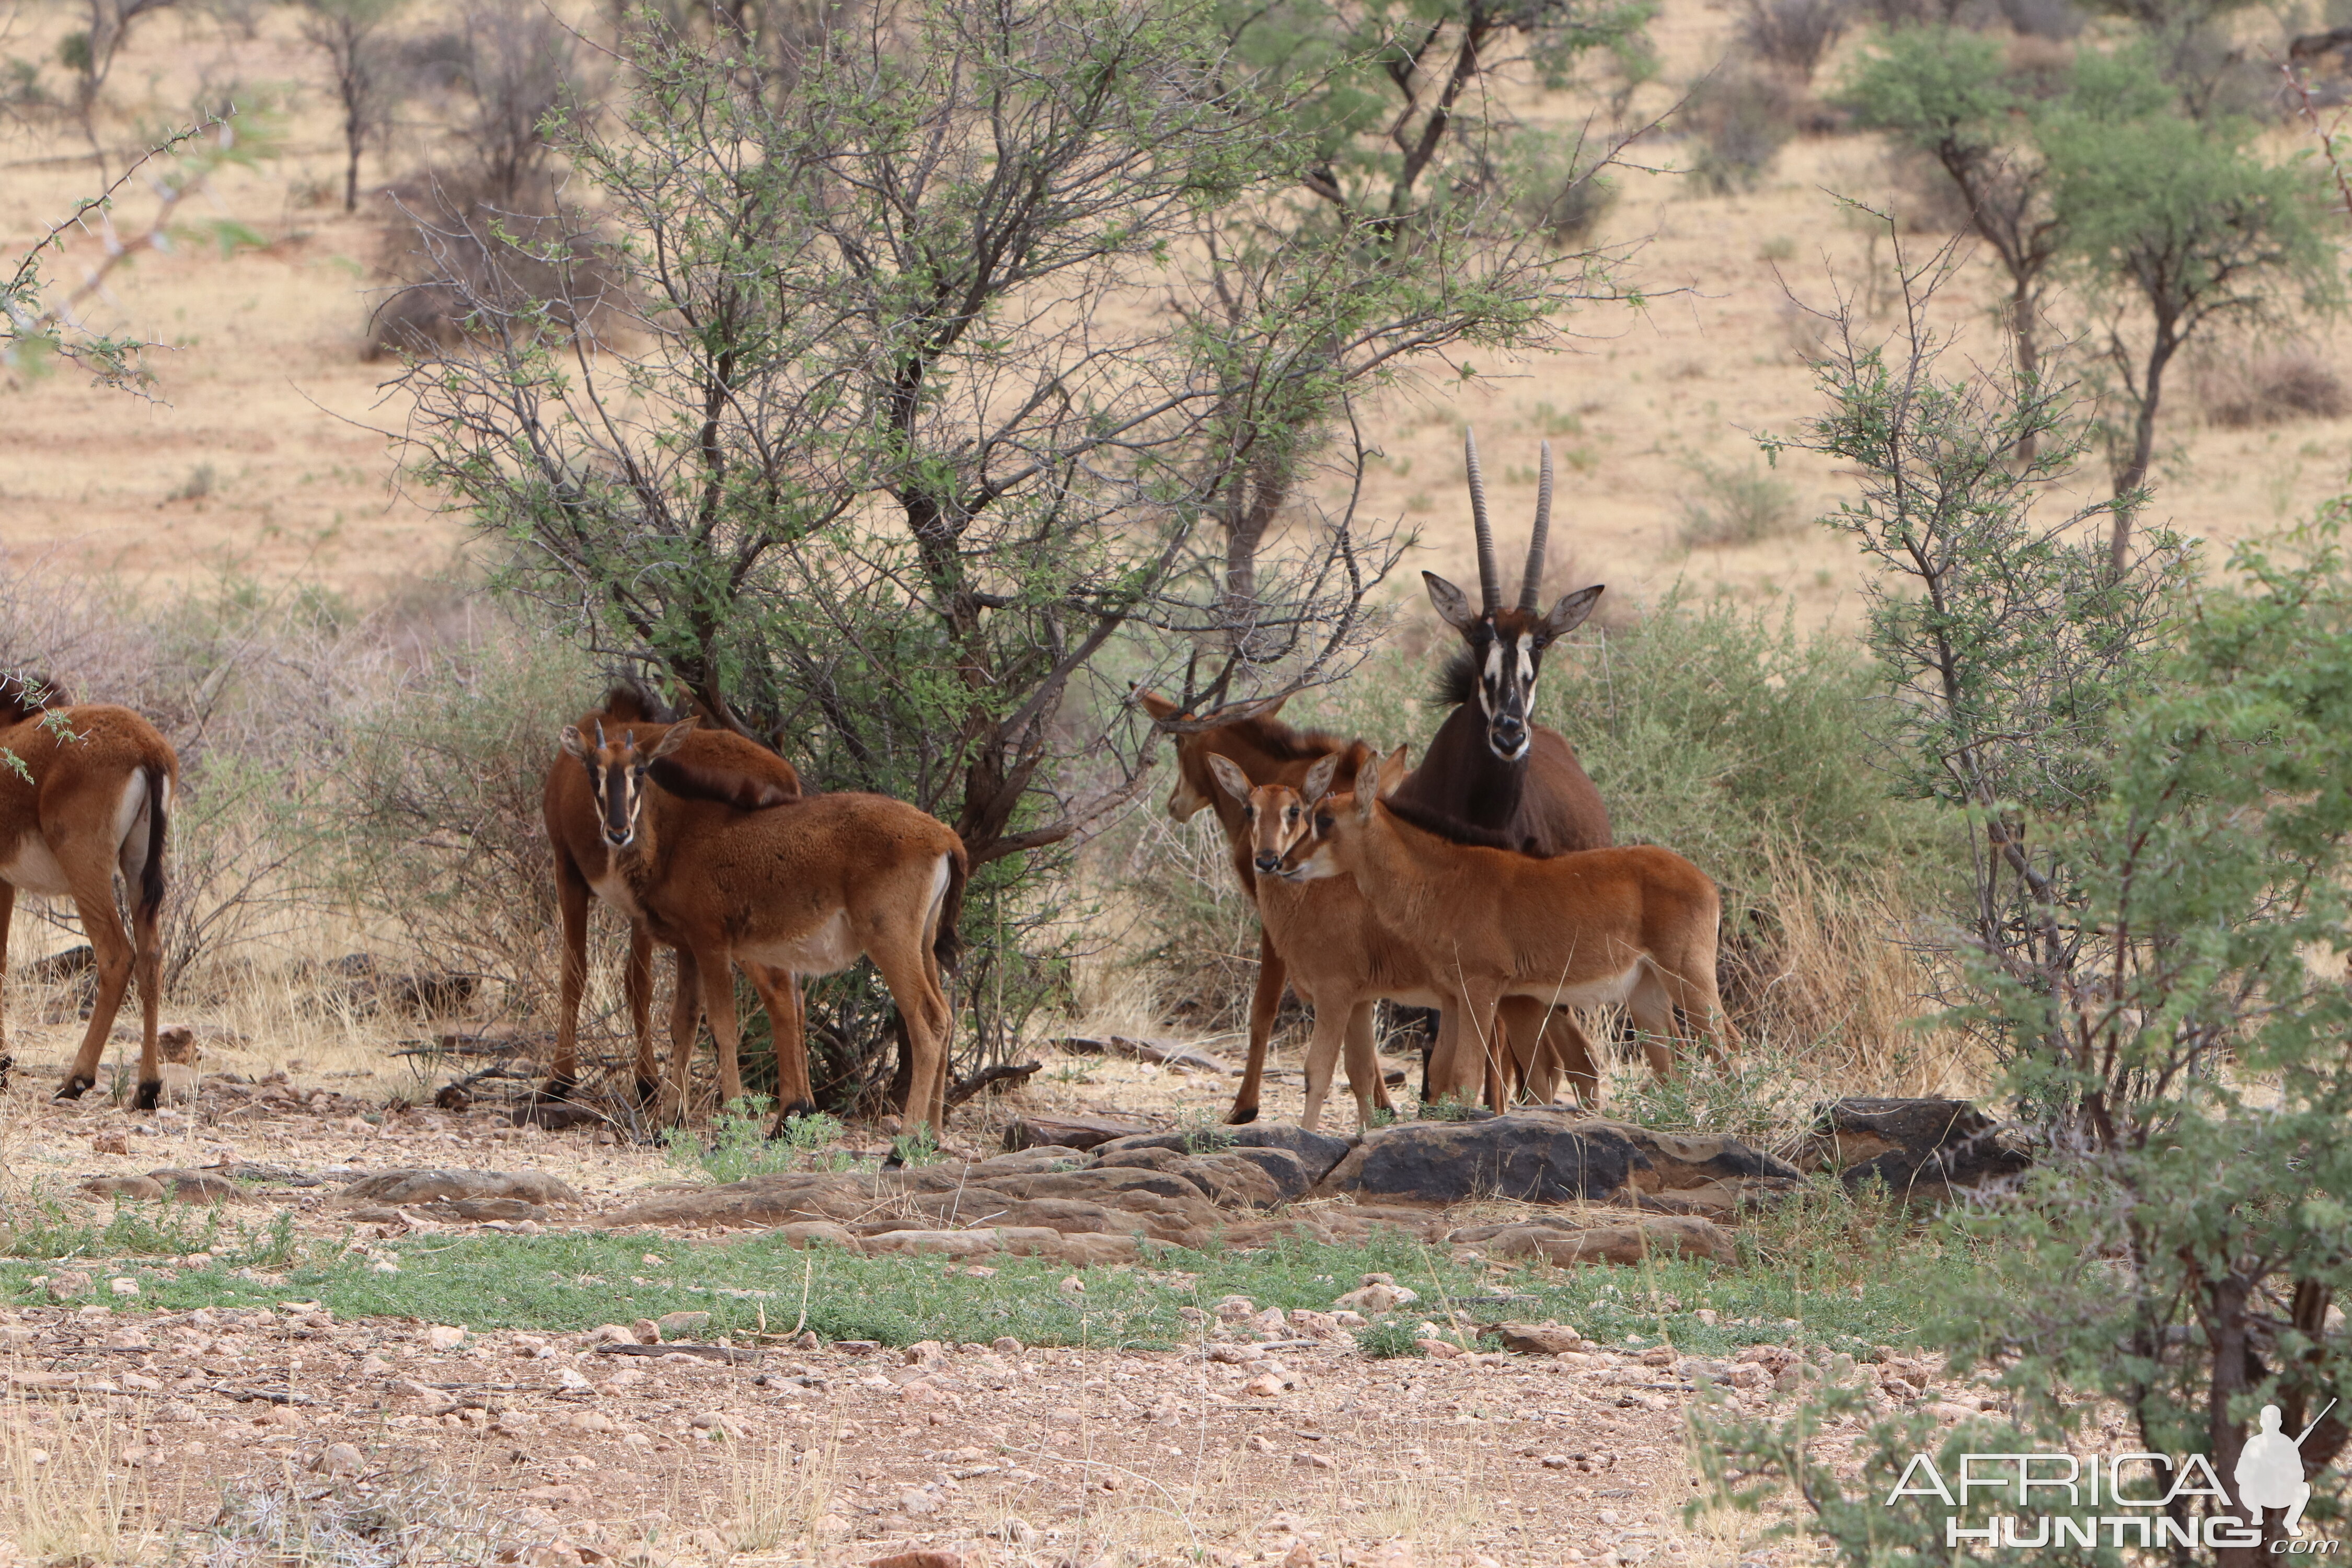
(1319, 777)
(1158, 707)
(672, 738)
(1228, 774)
(574, 744)
(1392, 771)
(1569, 613)
(1451, 608)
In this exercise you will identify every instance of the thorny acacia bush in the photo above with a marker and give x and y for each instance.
(2009, 644)
(1757, 753)
(2177, 1255)
(903, 455)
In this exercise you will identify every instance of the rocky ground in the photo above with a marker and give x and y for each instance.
(205, 1433)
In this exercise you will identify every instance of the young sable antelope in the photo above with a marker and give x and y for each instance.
(1266, 752)
(1343, 958)
(85, 792)
(709, 765)
(1635, 926)
(808, 888)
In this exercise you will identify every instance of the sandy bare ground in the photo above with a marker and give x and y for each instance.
(264, 393)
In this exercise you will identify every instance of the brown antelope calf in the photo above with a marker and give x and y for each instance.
(85, 792)
(1343, 958)
(1635, 926)
(1266, 752)
(807, 888)
(709, 765)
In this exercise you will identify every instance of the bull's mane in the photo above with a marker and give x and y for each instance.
(1457, 682)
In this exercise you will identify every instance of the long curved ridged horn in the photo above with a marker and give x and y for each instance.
(1490, 575)
(1531, 590)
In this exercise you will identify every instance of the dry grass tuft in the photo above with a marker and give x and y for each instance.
(68, 1491)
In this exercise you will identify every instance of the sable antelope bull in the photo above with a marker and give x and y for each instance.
(85, 792)
(1343, 957)
(1635, 926)
(1492, 775)
(716, 767)
(1491, 768)
(1266, 752)
(807, 888)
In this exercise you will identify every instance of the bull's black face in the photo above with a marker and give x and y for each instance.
(1509, 647)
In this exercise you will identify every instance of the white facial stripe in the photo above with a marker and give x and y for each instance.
(1490, 688)
(1527, 661)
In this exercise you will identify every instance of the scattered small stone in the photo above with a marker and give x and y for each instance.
(110, 1143)
(121, 1287)
(67, 1283)
(1005, 1344)
(444, 1337)
(677, 1325)
(341, 1459)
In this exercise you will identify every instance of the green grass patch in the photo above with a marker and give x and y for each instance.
(1827, 1270)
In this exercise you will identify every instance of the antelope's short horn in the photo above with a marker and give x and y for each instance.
(600, 734)
(1531, 590)
(1490, 575)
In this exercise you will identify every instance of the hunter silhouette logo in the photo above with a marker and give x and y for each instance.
(2270, 1471)
(2164, 1501)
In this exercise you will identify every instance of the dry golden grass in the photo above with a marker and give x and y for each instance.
(70, 1490)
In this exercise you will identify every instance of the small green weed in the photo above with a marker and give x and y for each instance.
(1384, 1341)
(921, 1147)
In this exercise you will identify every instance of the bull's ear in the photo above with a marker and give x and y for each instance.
(1569, 613)
(1158, 707)
(672, 738)
(1452, 606)
(1229, 774)
(1319, 777)
(574, 744)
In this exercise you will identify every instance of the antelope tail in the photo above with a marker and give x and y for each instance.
(151, 875)
(947, 945)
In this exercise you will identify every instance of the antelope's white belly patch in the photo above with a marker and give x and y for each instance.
(827, 950)
(613, 889)
(29, 867)
(1589, 993)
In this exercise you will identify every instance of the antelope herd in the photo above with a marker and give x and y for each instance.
(1483, 883)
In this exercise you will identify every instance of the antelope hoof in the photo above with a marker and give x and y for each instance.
(558, 1090)
(648, 1091)
(149, 1092)
(797, 1110)
(6, 1062)
(1242, 1116)
(76, 1087)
